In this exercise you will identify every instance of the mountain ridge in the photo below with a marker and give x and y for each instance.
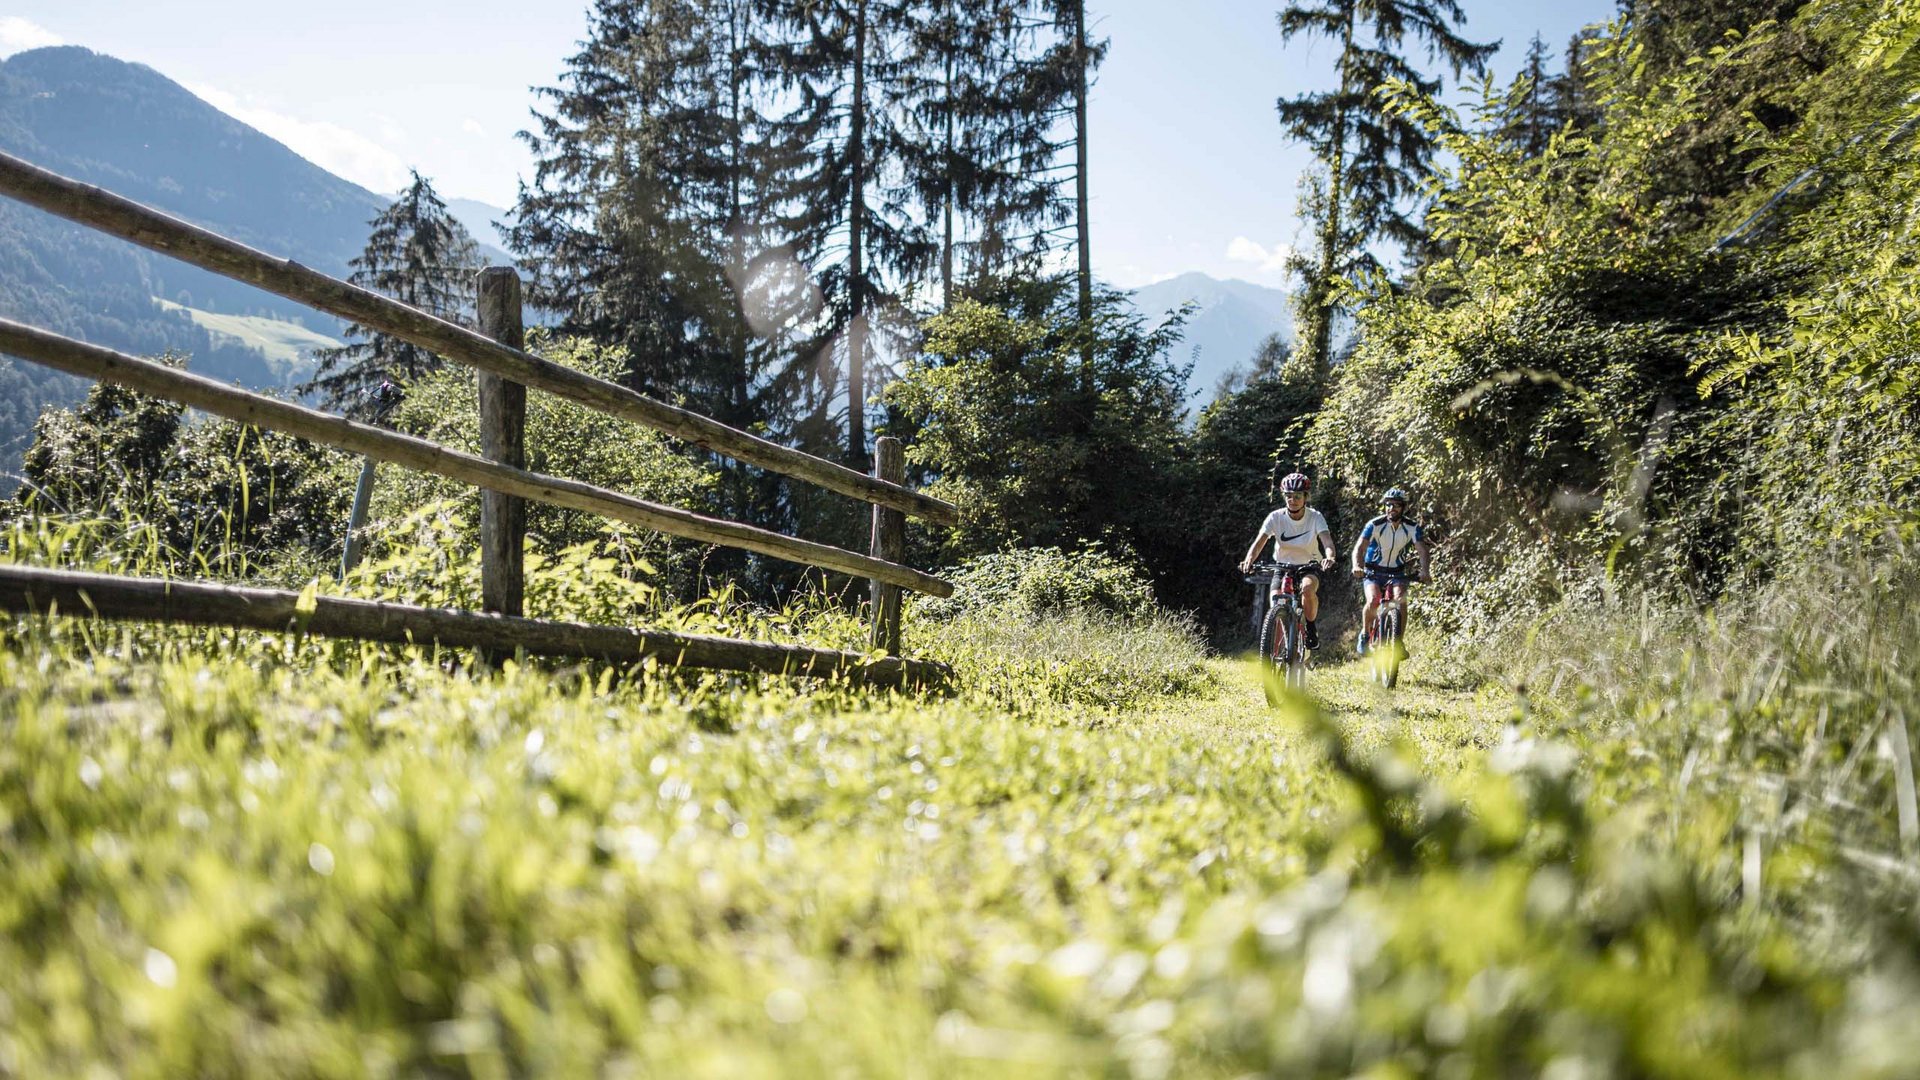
(1231, 318)
(130, 129)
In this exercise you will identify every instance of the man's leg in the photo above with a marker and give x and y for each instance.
(1373, 607)
(1400, 608)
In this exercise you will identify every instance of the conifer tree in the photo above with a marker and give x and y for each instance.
(1371, 161)
(1081, 65)
(982, 102)
(1528, 120)
(846, 199)
(419, 255)
(623, 228)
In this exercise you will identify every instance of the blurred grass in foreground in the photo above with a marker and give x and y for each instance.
(241, 854)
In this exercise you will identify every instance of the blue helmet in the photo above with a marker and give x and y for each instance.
(1395, 493)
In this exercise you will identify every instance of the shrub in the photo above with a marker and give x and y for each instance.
(1035, 626)
(563, 439)
(1038, 581)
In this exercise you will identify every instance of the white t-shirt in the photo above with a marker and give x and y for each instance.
(1295, 540)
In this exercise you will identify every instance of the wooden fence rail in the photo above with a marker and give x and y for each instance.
(505, 371)
(99, 209)
(246, 407)
(36, 591)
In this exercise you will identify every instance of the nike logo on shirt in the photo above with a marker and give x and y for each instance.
(1291, 539)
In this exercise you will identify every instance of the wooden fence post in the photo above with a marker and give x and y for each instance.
(357, 519)
(503, 434)
(890, 543)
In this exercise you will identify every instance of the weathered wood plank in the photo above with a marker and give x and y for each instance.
(890, 544)
(39, 591)
(503, 439)
(100, 209)
(94, 362)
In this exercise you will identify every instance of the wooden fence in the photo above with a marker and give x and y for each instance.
(505, 370)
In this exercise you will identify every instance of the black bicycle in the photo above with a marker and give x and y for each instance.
(1283, 633)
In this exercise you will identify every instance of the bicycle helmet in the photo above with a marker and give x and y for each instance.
(1295, 482)
(1395, 493)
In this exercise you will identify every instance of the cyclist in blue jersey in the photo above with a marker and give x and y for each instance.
(1381, 557)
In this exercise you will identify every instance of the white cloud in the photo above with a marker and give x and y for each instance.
(390, 132)
(1243, 250)
(472, 127)
(19, 35)
(338, 150)
(1135, 276)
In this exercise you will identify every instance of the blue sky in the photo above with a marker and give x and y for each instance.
(1189, 170)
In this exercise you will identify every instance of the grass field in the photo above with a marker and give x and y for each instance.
(218, 868)
(287, 346)
(235, 855)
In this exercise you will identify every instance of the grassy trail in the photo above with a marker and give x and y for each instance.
(1444, 727)
(221, 866)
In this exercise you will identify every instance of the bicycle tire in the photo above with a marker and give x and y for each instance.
(1390, 653)
(1296, 671)
(1272, 646)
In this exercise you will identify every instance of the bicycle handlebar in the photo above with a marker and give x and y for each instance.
(1261, 573)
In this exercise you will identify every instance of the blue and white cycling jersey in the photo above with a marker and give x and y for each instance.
(1390, 545)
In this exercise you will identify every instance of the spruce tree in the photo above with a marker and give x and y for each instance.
(982, 102)
(1371, 161)
(847, 199)
(623, 229)
(1528, 120)
(419, 255)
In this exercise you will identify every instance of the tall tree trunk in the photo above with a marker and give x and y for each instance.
(1080, 189)
(952, 157)
(736, 220)
(1319, 358)
(856, 265)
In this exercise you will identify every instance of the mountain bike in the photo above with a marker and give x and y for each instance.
(1382, 644)
(1283, 633)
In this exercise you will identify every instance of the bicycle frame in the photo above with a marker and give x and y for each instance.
(1386, 592)
(1283, 640)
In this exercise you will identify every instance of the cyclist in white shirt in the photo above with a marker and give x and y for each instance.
(1382, 555)
(1300, 538)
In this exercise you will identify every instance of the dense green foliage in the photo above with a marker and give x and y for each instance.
(562, 439)
(1590, 379)
(208, 498)
(1039, 439)
(1041, 581)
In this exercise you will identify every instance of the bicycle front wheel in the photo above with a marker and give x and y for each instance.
(1273, 650)
(1387, 651)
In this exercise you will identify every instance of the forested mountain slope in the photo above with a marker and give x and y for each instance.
(127, 128)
